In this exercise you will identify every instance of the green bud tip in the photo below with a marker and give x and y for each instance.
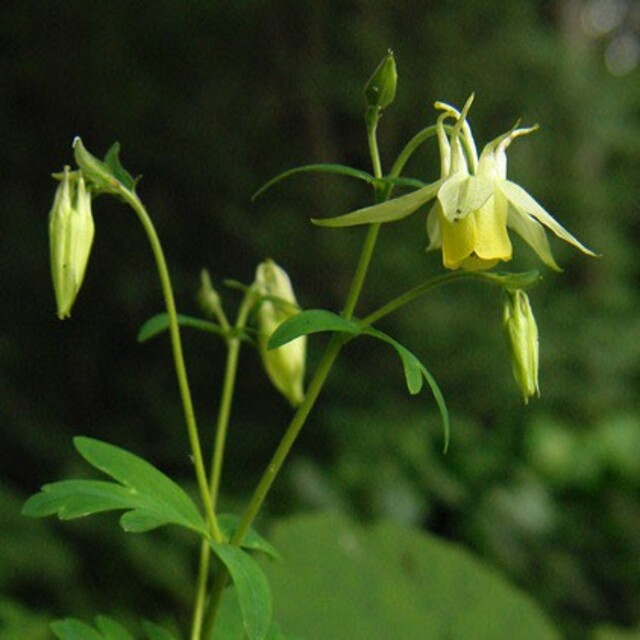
(380, 89)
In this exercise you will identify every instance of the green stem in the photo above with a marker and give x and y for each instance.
(523, 280)
(313, 391)
(231, 369)
(178, 357)
(230, 375)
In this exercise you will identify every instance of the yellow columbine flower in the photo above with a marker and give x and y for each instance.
(475, 203)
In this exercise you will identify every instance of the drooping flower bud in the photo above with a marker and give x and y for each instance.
(285, 365)
(71, 231)
(522, 337)
(380, 89)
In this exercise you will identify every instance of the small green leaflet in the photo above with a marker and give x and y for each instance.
(107, 629)
(414, 372)
(160, 323)
(311, 321)
(150, 498)
(317, 320)
(112, 160)
(228, 523)
(252, 589)
(317, 168)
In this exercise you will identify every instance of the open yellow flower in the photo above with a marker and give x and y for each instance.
(475, 203)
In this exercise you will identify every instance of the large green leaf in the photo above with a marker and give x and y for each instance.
(149, 496)
(311, 321)
(252, 589)
(343, 581)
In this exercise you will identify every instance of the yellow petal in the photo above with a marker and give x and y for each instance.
(458, 240)
(492, 240)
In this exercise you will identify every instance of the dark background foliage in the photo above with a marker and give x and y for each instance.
(209, 100)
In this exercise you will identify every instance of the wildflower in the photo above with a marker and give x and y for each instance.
(71, 231)
(284, 365)
(475, 203)
(522, 337)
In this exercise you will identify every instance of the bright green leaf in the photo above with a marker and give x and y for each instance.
(149, 496)
(388, 211)
(316, 168)
(254, 594)
(228, 523)
(311, 321)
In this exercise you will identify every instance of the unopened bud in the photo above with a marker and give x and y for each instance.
(71, 232)
(284, 365)
(522, 337)
(380, 89)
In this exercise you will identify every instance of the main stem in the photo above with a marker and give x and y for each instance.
(313, 391)
(178, 357)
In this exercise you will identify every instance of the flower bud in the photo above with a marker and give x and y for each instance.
(71, 232)
(380, 90)
(522, 337)
(284, 365)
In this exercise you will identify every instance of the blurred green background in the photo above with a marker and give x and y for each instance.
(209, 100)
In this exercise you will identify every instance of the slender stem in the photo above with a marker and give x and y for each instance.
(178, 357)
(230, 375)
(231, 370)
(521, 281)
(199, 606)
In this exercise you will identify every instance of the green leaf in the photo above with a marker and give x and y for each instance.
(112, 160)
(388, 211)
(228, 523)
(72, 629)
(151, 498)
(316, 168)
(343, 580)
(415, 372)
(160, 323)
(112, 630)
(156, 632)
(311, 321)
(252, 588)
